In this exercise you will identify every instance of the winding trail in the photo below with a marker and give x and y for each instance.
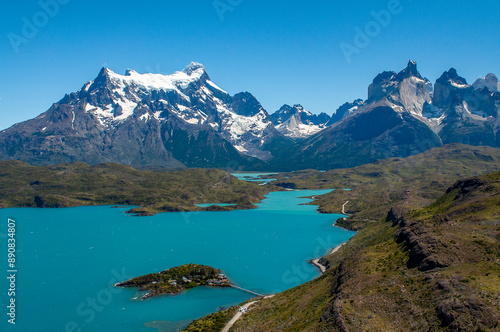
(240, 313)
(237, 316)
(343, 207)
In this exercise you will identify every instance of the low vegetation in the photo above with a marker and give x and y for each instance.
(212, 323)
(78, 184)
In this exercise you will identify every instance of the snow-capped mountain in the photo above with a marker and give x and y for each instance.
(146, 120)
(404, 115)
(296, 122)
(191, 96)
(186, 120)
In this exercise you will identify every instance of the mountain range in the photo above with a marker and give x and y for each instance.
(186, 120)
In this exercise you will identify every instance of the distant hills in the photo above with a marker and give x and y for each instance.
(79, 184)
(185, 120)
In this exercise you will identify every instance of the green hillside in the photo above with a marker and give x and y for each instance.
(430, 269)
(411, 182)
(78, 184)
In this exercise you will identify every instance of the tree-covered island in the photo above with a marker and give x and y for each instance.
(175, 280)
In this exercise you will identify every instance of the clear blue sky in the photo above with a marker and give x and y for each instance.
(281, 51)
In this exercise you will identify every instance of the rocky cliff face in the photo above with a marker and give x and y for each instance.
(388, 124)
(403, 116)
(461, 113)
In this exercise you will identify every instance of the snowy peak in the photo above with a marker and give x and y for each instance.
(180, 79)
(188, 97)
(102, 79)
(287, 111)
(194, 67)
(282, 114)
(297, 122)
(113, 98)
(105, 71)
(130, 72)
(300, 109)
(490, 82)
(137, 85)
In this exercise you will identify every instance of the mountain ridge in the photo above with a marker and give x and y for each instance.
(401, 117)
(185, 120)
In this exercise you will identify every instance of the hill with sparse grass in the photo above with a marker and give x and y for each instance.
(78, 184)
(410, 182)
(431, 269)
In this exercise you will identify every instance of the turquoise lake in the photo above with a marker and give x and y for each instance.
(254, 177)
(68, 259)
(216, 204)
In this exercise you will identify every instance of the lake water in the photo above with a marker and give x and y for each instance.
(68, 260)
(216, 204)
(254, 177)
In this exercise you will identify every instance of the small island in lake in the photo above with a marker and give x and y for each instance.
(176, 279)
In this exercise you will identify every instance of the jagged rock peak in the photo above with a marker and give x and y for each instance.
(384, 76)
(490, 82)
(450, 89)
(451, 76)
(297, 108)
(105, 71)
(286, 111)
(388, 76)
(103, 78)
(409, 71)
(284, 108)
(301, 109)
(245, 104)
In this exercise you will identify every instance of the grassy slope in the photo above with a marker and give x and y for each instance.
(79, 184)
(414, 181)
(381, 280)
(212, 323)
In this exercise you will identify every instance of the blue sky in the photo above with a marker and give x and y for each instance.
(281, 51)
